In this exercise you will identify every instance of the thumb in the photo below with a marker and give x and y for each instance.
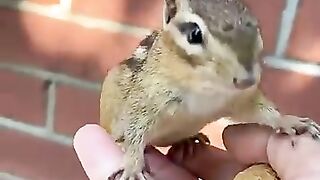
(294, 157)
(247, 143)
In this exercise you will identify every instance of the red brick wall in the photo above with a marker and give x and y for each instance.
(54, 54)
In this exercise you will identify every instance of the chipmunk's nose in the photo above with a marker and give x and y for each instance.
(244, 83)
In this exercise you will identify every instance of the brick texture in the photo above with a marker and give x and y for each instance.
(149, 14)
(144, 13)
(293, 93)
(45, 2)
(71, 49)
(22, 98)
(305, 38)
(36, 159)
(75, 107)
(88, 53)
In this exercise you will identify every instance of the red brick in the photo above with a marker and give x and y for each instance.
(22, 98)
(37, 159)
(60, 46)
(269, 21)
(88, 53)
(46, 2)
(75, 107)
(149, 13)
(293, 93)
(305, 37)
(136, 12)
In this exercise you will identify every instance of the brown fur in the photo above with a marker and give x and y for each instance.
(162, 94)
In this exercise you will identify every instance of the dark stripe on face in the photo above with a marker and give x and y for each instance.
(136, 64)
(244, 45)
(232, 24)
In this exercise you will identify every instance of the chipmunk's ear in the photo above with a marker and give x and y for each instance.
(172, 7)
(169, 10)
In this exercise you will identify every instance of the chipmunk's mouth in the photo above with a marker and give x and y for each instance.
(244, 83)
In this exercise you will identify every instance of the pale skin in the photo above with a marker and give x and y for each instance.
(100, 156)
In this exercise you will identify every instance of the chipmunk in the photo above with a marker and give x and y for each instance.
(202, 65)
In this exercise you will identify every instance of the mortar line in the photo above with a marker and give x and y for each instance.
(36, 131)
(310, 69)
(46, 75)
(66, 5)
(9, 176)
(56, 12)
(286, 27)
(51, 104)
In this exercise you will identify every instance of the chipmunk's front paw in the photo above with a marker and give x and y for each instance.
(123, 175)
(293, 125)
(186, 148)
(133, 170)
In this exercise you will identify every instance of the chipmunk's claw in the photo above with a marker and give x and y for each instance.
(186, 148)
(121, 175)
(293, 125)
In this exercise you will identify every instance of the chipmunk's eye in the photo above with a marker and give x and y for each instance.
(195, 36)
(192, 31)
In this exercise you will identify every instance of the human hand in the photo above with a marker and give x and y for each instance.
(246, 144)
(100, 156)
(292, 157)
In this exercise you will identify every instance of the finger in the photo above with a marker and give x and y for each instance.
(100, 156)
(163, 168)
(207, 162)
(302, 152)
(247, 143)
(96, 149)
